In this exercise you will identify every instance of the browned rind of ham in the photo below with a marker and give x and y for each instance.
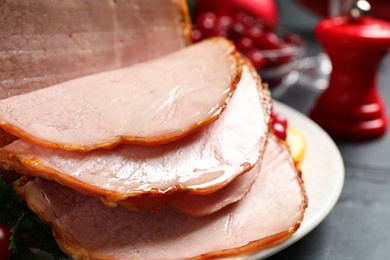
(148, 103)
(200, 163)
(86, 229)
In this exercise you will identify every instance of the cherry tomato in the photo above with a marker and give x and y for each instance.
(5, 234)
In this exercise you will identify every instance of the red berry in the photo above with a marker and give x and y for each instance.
(196, 35)
(236, 31)
(281, 56)
(279, 130)
(5, 234)
(257, 58)
(225, 22)
(268, 41)
(245, 19)
(293, 39)
(253, 32)
(279, 118)
(266, 10)
(207, 24)
(245, 44)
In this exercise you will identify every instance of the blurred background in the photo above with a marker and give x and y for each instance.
(276, 35)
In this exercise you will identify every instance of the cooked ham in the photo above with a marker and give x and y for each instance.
(47, 42)
(86, 229)
(147, 103)
(197, 205)
(200, 163)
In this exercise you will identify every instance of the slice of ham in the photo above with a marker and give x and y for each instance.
(47, 42)
(85, 228)
(197, 205)
(148, 103)
(200, 163)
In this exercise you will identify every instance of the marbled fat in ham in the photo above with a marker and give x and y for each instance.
(85, 228)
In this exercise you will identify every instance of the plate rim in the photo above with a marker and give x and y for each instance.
(314, 214)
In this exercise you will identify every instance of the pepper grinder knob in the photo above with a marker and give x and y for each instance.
(360, 9)
(350, 108)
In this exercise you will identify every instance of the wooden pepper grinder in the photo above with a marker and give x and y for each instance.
(351, 109)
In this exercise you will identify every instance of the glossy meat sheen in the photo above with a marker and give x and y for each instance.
(197, 205)
(270, 213)
(47, 42)
(202, 162)
(148, 103)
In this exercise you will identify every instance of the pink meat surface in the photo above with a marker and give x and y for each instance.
(148, 103)
(200, 163)
(197, 205)
(47, 42)
(85, 228)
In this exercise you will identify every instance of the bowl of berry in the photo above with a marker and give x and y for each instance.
(254, 33)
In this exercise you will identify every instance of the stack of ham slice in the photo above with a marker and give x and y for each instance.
(168, 158)
(86, 229)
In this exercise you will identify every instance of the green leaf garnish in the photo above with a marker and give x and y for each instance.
(15, 213)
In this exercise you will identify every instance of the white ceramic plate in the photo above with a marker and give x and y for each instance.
(323, 174)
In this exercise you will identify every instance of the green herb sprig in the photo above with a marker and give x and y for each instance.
(15, 213)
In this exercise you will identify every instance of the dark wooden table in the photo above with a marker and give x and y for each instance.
(358, 227)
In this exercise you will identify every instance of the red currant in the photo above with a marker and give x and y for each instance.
(279, 130)
(245, 44)
(196, 35)
(236, 31)
(5, 234)
(257, 58)
(280, 118)
(293, 39)
(225, 22)
(253, 32)
(268, 41)
(282, 56)
(251, 35)
(207, 24)
(245, 19)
